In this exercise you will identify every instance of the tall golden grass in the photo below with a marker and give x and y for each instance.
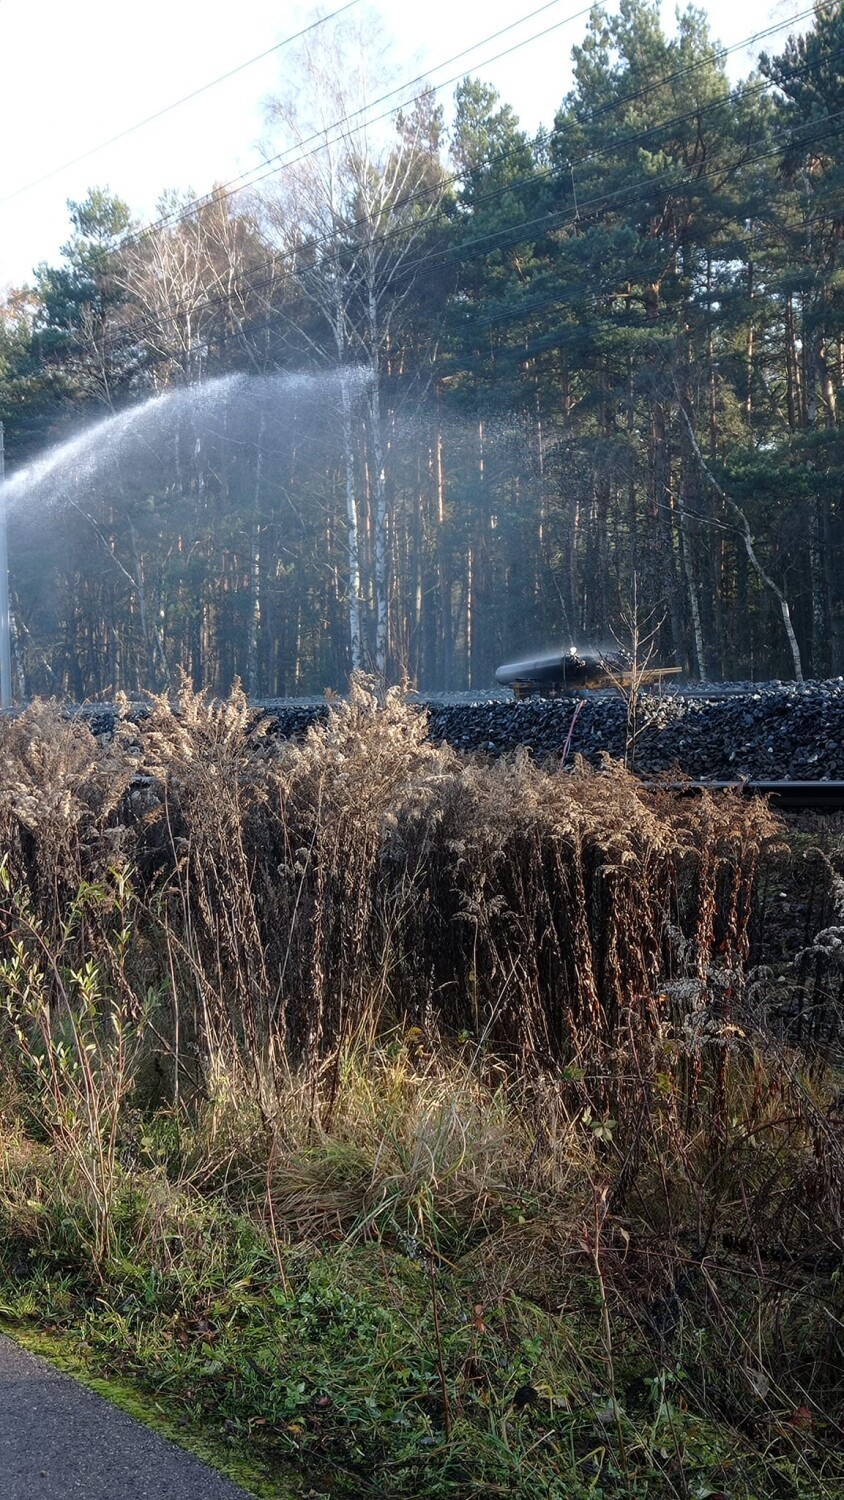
(299, 896)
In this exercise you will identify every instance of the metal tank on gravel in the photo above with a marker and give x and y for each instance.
(562, 674)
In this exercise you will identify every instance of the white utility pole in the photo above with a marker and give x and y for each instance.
(5, 619)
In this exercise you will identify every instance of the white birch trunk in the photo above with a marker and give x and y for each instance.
(744, 529)
(255, 566)
(353, 542)
(379, 484)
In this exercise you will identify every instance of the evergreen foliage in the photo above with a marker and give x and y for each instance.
(603, 363)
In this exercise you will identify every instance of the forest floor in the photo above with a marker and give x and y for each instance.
(434, 1264)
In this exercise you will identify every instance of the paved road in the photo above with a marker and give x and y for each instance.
(59, 1440)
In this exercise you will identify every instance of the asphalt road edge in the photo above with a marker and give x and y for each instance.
(58, 1350)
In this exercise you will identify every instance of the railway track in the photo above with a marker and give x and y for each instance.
(788, 796)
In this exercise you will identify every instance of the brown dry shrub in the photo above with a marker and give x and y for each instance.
(60, 790)
(366, 875)
(299, 896)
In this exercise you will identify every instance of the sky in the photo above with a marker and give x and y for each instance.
(76, 76)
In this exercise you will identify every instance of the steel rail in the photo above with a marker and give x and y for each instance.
(823, 796)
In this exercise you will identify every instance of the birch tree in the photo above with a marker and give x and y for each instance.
(352, 210)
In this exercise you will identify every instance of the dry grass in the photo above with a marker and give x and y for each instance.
(305, 895)
(493, 1018)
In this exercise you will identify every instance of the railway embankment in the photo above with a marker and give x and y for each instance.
(777, 732)
(722, 732)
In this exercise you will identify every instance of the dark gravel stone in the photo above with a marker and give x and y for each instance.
(776, 731)
(773, 731)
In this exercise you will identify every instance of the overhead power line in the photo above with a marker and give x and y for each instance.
(587, 206)
(553, 220)
(602, 200)
(276, 164)
(533, 306)
(540, 173)
(177, 103)
(325, 138)
(516, 233)
(319, 140)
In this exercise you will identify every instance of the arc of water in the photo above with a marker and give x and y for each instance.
(5, 620)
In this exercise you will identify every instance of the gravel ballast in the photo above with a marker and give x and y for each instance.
(729, 732)
(779, 731)
(784, 732)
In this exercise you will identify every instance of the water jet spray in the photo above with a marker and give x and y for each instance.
(5, 621)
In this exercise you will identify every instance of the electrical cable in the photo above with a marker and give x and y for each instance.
(237, 184)
(518, 229)
(549, 339)
(592, 205)
(601, 201)
(541, 173)
(177, 104)
(274, 165)
(621, 193)
(586, 204)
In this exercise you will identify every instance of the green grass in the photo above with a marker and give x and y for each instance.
(355, 1367)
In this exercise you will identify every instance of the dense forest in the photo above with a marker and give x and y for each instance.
(433, 392)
